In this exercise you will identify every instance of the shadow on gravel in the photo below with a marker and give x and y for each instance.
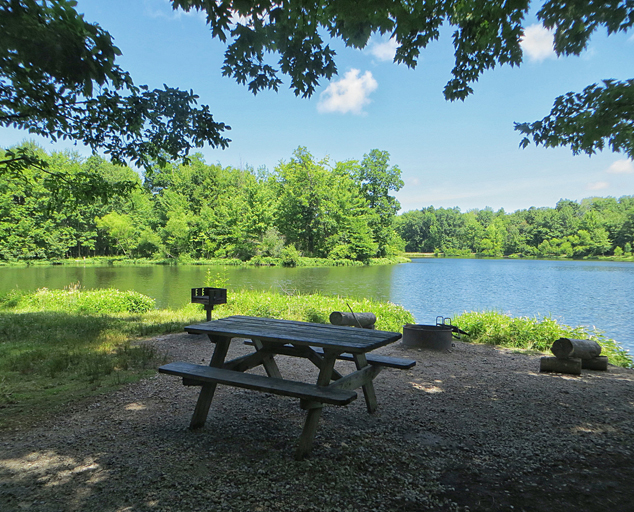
(474, 430)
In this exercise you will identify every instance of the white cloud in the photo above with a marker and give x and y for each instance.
(624, 166)
(349, 94)
(597, 185)
(384, 51)
(537, 43)
(166, 11)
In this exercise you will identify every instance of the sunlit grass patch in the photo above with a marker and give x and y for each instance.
(311, 308)
(534, 333)
(62, 345)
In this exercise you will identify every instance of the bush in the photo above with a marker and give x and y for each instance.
(290, 256)
(108, 301)
(114, 301)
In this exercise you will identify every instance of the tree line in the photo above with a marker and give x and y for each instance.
(340, 210)
(593, 227)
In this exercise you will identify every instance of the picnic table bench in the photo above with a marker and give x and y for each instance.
(321, 344)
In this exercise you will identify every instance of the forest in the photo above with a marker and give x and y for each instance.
(317, 209)
(341, 211)
(591, 228)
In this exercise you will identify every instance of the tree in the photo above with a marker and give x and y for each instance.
(377, 181)
(486, 33)
(59, 79)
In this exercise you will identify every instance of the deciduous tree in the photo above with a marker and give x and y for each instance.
(59, 79)
(486, 33)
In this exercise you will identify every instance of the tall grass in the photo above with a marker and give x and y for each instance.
(311, 308)
(534, 333)
(62, 345)
(73, 299)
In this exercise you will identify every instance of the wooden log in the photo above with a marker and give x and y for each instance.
(599, 363)
(365, 320)
(565, 348)
(554, 364)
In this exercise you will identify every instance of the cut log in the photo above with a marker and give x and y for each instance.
(365, 320)
(565, 348)
(599, 363)
(553, 364)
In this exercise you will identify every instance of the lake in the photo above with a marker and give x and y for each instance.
(591, 293)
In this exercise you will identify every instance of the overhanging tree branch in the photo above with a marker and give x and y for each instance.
(600, 116)
(58, 79)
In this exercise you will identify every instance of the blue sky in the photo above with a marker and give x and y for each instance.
(463, 154)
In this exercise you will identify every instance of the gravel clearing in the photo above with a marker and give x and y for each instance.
(476, 429)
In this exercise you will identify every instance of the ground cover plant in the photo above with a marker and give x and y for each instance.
(534, 333)
(58, 346)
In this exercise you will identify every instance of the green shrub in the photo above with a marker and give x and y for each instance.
(290, 256)
(114, 301)
(107, 301)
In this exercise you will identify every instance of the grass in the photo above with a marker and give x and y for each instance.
(534, 334)
(58, 346)
(61, 346)
(311, 308)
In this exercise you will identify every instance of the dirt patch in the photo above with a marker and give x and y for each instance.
(476, 429)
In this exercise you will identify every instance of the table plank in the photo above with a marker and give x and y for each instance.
(333, 337)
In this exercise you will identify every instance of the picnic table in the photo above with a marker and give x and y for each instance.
(321, 344)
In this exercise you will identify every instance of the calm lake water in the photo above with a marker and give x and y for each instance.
(574, 292)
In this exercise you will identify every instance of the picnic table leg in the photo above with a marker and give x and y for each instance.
(207, 391)
(368, 389)
(314, 408)
(270, 366)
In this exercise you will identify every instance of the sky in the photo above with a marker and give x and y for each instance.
(463, 154)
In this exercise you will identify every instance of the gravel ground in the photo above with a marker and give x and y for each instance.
(476, 429)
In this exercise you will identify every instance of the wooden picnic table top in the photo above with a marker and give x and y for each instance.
(329, 337)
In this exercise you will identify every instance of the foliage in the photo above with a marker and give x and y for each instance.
(311, 308)
(494, 328)
(195, 211)
(59, 79)
(290, 256)
(76, 301)
(485, 34)
(595, 227)
(588, 121)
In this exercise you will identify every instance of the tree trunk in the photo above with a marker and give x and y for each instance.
(552, 364)
(565, 348)
(365, 320)
(599, 363)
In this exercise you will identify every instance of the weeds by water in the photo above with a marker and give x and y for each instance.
(311, 308)
(58, 346)
(534, 333)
